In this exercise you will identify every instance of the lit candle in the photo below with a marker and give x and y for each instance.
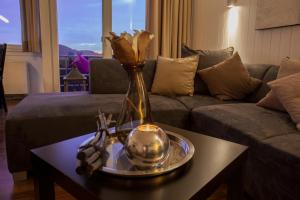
(147, 146)
(147, 128)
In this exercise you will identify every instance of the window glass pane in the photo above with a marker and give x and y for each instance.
(128, 15)
(80, 26)
(79, 37)
(10, 22)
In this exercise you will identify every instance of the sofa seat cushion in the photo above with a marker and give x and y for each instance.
(273, 165)
(70, 104)
(201, 100)
(42, 113)
(42, 119)
(169, 111)
(285, 147)
(273, 168)
(81, 104)
(244, 123)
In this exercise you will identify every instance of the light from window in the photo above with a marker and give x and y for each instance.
(10, 22)
(80, 27)
(128, 15)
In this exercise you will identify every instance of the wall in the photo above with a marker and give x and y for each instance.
(216, 26)
(27, 72)
(22, 73)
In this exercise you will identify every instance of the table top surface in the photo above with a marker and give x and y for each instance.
(211, 159)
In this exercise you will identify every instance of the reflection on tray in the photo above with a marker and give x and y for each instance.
(117, 163)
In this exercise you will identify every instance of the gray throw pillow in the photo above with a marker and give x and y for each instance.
(207, 58)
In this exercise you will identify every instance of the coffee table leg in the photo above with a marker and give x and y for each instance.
(235, 185)
(44, 188)
(43, 181)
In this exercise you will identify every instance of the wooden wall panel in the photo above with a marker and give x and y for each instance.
(295, 42)
(213, 27)
(275, 45)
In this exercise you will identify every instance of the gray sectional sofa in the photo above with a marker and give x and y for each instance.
(273, 167)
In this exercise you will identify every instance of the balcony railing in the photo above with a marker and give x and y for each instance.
(65, 68)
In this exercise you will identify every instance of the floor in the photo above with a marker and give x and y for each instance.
(24, 190)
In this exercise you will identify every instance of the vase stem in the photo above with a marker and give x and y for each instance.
(136, 106)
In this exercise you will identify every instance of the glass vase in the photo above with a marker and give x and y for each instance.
(136, 106)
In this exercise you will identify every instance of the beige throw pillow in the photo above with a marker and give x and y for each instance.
(287, 67)
(175, 76)
(287, 90)
(271, 101)
(229, 79)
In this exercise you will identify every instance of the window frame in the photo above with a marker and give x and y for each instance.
(107, 8)
(14, 48)
(17, 50)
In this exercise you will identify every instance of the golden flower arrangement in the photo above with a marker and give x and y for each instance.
(129, 49)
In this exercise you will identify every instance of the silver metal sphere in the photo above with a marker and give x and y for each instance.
(147, 146)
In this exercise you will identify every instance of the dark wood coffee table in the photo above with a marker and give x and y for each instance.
(215, 162)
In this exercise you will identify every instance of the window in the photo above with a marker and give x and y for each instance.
(79, 35)
(10, 22)
(79, 27)
(79, 23)
(128, 15)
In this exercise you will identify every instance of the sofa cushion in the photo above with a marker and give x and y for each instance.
(273, 168)
(244, 123)
(43, 119)
(201, 100)
(175, 76)
(287, 67)
(50, 105)
(257, 70)
(266, 73)
(285, 148)
(287, 91)
(67, 108)
(229, 79)
(273, 164)
(108, 77)
(168, 111)
(50, 117)
(207, 58)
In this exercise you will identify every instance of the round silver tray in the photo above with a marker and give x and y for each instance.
(117, 163)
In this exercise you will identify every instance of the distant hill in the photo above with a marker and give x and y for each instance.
(67, 51)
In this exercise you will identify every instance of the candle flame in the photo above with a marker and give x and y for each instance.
(147, 127)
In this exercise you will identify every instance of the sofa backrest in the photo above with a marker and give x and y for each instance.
(266, 73)
(108, 77)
